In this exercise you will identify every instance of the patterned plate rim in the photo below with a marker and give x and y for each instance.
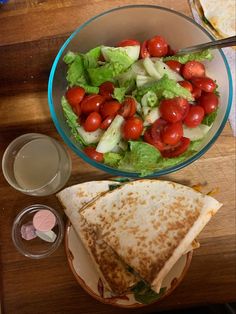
(113, 301)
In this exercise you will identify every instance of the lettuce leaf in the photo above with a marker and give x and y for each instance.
(166, 88)
(119, 93)
(69, 57)
(90, 89)
(76, 73)
(112, 159)
(197, 56)
(210, 118)
(71, 119)
(149, 100)
(142, 158)
(91, 58)
(146, 159)
(144, 294)
(104, 73)
(170, 162)
(122, 55)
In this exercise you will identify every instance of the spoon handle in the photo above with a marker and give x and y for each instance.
(227, 42)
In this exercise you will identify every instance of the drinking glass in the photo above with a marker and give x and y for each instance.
(36, 164)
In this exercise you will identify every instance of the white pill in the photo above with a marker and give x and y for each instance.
(48, 236)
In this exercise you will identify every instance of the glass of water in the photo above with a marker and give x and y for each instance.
(36, 164)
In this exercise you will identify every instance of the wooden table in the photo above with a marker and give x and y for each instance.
(31, 33)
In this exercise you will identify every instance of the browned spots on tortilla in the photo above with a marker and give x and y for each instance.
(81, 193)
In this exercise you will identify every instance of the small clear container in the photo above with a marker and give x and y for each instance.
(36, 248)
(36, 164)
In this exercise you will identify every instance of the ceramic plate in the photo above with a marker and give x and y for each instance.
(87, 276)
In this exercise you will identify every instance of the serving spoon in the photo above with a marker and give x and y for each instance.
(227, 42)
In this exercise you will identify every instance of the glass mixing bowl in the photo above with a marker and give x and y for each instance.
(139, 22)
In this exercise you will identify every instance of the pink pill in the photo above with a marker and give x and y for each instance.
(44, 220)
(28, 231)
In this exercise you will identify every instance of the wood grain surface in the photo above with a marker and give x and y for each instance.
(31, 33)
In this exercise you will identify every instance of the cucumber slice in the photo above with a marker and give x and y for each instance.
(138, 69)
(111, 137)
(197, 133)
(132, 51)
(163, 68)
(150, 68)
(152, 116)
(143, 79)
(149, 99)
(90, 137)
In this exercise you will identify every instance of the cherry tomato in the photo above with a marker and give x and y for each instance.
(178, 149)
(93, 121)
(187, 85)
(193, 69)
(153, 134)
(77, 109)
(144, 51)
(74, 95)
(204, 83)
(82, 118)
(91, 103)
(106, 122)
(196, 93)
(91, 152)
(132, 128)
(209, 102)
(171, 51)
(128, 42)
(172, 133)
(157, 46)
(106, 89)
(170, 110)
(148, 139)
(128, 107)
(174, 65)
(194, 116)
(109, 108)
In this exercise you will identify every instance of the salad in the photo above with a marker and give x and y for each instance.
(138, 106)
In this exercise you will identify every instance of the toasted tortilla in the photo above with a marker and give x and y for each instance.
(111, 269)
(150, 224)
(221, 15)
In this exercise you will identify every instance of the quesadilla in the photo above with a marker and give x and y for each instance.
(150, 224)
(110, 267)
(220, 15)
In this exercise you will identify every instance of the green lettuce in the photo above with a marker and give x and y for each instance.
(196, 56)
(76, 73)
(118, 61)
(104, 73)
(91, 58)
(142, 158)
(69, 57)
(71, 119)
(210, 118)
(144, 294)
(146, 159)
(122, 55)
(112, 159)
(166, 88)
(149, 99)
(170, 162)
(90, 89)
(119, 93)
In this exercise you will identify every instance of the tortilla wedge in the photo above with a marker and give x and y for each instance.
(111, 269)
(150, 224)
(220, 14)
